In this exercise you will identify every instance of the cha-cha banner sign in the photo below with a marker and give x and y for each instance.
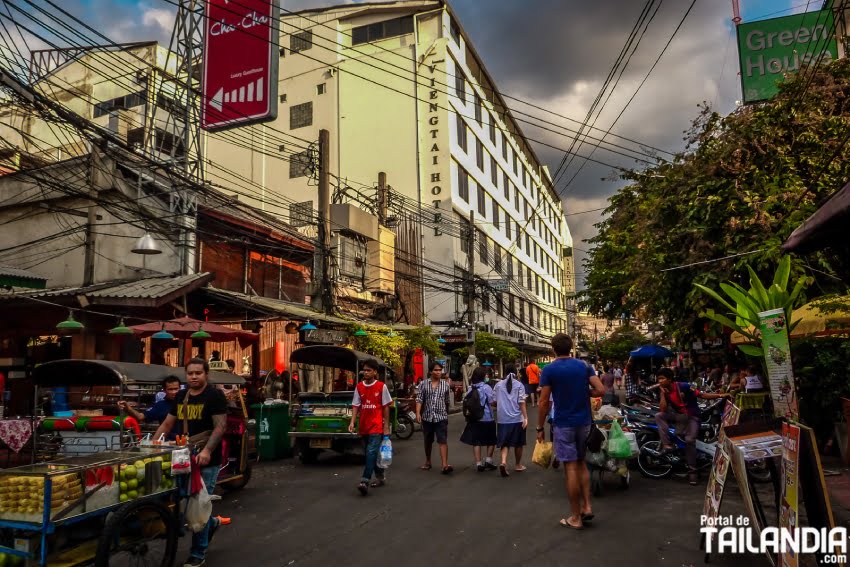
(771, 49)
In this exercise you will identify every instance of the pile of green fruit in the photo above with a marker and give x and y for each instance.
(132, 477)
(9, 560)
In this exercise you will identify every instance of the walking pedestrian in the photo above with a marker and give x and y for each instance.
(482, 432)
(512, 419)
(533, 373)
(432, 411)
(371, 403)
(570, 383)
(607, 380)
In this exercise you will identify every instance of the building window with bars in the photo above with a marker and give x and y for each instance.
(301, 115)
(462, 184)
(301, 214)
(301, 41)
(482, 201)
(460, 84)
(461, 132)
(300, 165)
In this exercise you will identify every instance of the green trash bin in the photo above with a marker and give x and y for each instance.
(272, 431)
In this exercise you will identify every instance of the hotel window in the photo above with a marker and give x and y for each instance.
(500, 304)
(301, 115)
(494, 172)
(382, 30)
(321, 89)
(525, 180)
(454, 30)
(492, 129)
(521, 310)
(482, 201)
(511, 305)
(507, 225)
(479, 155)
(461, 132)
(516, 197)
(464, 231)
(460, 84)
(479, 114)
(507, 186)
(528, 244)
(482, 247)
(516, 164)
(537, 285)
(504, 147)
(510, 264)
(301, 41)
(530, 280)
(463, 184)
(496, 215)
(497, 257)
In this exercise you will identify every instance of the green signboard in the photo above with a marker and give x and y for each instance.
(770, 49)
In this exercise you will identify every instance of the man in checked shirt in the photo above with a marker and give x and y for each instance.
(432, 411)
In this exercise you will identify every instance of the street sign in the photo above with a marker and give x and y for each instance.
(499, 285)
(240, 63)
(771, 49)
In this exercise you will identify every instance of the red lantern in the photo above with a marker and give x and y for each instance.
(280, 357)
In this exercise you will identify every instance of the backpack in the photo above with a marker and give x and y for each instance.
(472, 408)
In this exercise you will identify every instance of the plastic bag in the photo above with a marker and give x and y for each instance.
(597, 459)
(608, 412)
(181, 461)
(385, 453)
(543, 454)
(199, 509)
(618, 444)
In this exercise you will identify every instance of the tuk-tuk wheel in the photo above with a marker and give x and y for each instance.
(140, 530)
(239, 483)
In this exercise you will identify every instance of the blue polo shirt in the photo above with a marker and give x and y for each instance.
(157, 412)
(569, 379)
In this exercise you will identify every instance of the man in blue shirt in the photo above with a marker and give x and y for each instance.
(159, 410)
(570, 383)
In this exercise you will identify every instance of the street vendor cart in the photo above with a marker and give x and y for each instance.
(108, 502)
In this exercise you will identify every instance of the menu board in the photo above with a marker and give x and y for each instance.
(777, 354)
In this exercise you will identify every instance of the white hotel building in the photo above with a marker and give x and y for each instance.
(402, 91)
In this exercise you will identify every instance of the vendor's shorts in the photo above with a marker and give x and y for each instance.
(571, 443)
(438, 429)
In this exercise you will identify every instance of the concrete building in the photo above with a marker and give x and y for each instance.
(401, 90)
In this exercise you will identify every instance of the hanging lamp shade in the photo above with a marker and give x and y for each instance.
(70, 324)
(308, 326)
(162, 335)
(146, 245)
(121, 329)
(200, 334)
(360, 333)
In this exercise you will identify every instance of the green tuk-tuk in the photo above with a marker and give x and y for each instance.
(320, 419)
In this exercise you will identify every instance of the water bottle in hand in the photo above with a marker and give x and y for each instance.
(385, 454)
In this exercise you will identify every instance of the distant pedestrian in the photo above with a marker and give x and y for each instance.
(512, 419)
(432, 411)
(371, 403)
(533, 373)
(632, 381)
(482, 432)
(607, 380)
(570, 383)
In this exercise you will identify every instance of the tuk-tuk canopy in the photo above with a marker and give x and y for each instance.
(335, 357)
(66, 373)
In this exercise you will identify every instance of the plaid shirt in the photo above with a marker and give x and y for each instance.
(631, 386)
(435, 401)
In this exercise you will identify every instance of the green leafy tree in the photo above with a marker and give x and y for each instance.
(617, 346)
(744, 305)
(743, 183)
(423, 337)
(491, 345)
(378, 343)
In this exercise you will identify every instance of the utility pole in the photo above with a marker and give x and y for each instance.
(382, 198)
(325, 220)
(91, 234)
(470, 281)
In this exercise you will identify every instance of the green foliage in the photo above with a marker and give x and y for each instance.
(744, 305)
(820, 366)
(377, 343)
(743, 184)
(485, 342)
(422, 337)
(620, 343)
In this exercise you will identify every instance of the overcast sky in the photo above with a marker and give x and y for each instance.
(556, 54)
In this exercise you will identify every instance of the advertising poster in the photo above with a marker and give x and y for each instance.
(777, 353)
(739, 466)
(716, 483)
(731, 415)
(789, 512)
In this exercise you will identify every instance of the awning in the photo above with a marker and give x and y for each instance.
(145, 292)
(184, 327)
(827, 226)
(15, 277)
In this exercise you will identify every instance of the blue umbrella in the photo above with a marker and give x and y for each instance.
(488, 363)
(651, 351)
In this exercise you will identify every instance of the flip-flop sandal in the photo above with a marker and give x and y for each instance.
(587, 517)
(447, 470)
(566, 524)
(520, 469)
(503, 470)
(425, 467)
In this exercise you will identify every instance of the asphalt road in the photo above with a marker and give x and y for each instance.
(292, 514)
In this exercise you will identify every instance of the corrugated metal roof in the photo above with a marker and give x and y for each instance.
(18, 273)
(148, 287)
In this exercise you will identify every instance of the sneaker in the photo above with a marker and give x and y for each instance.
(480, 467)
(194, 562)
(363, 488)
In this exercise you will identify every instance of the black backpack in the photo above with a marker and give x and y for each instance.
(472, 408)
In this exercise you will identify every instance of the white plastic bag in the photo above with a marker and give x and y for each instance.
(199, 509)
(608, 412)
(181, 461)
(385, 453)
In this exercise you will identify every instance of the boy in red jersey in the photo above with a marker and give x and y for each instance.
(372, 402)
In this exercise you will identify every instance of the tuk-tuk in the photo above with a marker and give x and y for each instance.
(320, 419)
(96, 386)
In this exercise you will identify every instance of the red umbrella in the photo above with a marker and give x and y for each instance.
(183, 328)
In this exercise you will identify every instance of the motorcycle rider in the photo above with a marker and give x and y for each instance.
(679, 405)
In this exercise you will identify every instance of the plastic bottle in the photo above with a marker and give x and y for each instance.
(385, 454)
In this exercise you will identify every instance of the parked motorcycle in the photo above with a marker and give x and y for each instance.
(406, 419)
